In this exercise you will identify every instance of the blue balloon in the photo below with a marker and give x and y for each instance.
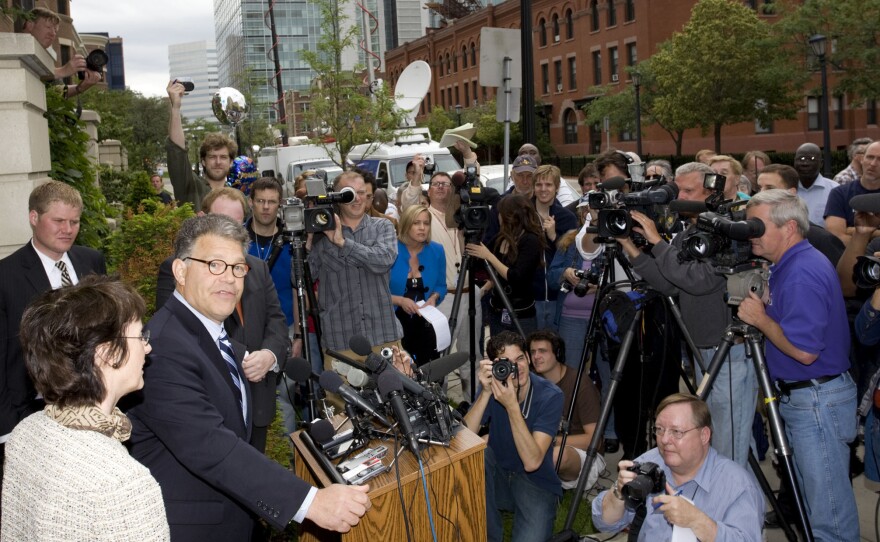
(242, 174)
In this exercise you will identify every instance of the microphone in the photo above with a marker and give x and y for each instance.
(325, 437)
(866, 203)
(683, 206)
(614, 183)
(376, 364)
(333, 382)
(390, 387)
(436, 370)
(299, 370)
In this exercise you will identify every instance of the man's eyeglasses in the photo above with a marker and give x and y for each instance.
(218, 267)
(676, 434)
(269, 202)
(807, 158)
(441, 184)
(144, 337)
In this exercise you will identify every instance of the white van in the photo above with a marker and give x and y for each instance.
(387, 161)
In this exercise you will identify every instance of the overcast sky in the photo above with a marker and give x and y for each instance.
(147, 29)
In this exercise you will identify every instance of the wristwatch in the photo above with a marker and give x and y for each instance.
(615, 490)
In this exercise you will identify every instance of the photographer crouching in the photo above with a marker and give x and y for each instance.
(522, 411)
(683, 483)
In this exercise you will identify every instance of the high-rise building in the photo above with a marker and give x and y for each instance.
(197, 62)
(244, 40)
(114, 72)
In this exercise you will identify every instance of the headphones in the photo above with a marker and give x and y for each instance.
(555, 340)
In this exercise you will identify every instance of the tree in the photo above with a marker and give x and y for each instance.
(140, 123)
(341, 109)
(852, 25)
(438, 121)
(724, 67)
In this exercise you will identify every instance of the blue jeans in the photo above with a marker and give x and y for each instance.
(731, 402)
(545, 314)
(872, 446)
(820, 422)
(573, 332)
(534, 509)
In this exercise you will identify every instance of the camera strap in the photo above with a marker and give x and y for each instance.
(526, 405)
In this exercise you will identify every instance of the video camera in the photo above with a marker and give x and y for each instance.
(474, 212)
(615, 219)
(316, 213)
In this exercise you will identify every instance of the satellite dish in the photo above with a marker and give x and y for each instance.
(411, 89)
(229, 106)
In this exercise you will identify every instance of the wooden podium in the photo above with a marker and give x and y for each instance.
(456, 487)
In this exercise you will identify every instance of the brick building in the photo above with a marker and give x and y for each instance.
(582, 43)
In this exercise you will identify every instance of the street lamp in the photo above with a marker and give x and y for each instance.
(637, 80)
(818, 42)
(458, 113)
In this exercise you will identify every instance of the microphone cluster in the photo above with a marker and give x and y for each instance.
(419, 406)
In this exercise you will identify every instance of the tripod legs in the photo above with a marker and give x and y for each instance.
(782, 449)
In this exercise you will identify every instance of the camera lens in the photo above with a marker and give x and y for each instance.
(866, 273)
(617, 222)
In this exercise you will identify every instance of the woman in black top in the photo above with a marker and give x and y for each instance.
(516, 253)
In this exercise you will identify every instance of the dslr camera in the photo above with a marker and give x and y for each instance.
(502, 368)
(585, 278)
(650, 480)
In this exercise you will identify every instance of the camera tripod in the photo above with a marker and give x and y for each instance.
(467, 269)
(753, 338)
(608, 284)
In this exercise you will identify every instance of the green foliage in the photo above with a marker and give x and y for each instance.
(717, 71)
(280, 450)
(141, 244)
(68, 144)
(341, 107)
(140, 123)
(853, 25)
(438, 121)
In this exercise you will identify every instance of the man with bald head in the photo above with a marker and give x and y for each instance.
(840, 217)
(813, 187)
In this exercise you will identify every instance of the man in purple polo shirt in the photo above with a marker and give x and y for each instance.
(807, 351)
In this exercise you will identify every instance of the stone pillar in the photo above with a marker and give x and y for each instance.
(91, 119)
(27, 161)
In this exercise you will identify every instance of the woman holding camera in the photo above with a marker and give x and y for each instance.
(67, 474)
(418, 275)
(517, 252)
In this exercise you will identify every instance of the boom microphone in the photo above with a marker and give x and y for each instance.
(333, 382)
(684, 206)
(436, 370)
(614, 183)
(391, 387)
(866, 203)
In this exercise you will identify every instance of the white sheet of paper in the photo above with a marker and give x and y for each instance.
(440, 324)
(683, 534)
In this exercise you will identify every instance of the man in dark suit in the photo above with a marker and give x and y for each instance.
(194, 417)
(54, 209)
(257, 321)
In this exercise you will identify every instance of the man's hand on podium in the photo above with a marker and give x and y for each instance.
(339, 507)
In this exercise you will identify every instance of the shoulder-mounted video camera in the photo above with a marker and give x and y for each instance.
(615, 219)
(316, 212)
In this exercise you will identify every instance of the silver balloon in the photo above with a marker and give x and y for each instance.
(229, 106)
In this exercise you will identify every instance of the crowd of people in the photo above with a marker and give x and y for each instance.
(192, 393)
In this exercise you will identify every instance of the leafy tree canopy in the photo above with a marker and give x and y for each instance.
(724, 67)
(852, 25)
(341, 110)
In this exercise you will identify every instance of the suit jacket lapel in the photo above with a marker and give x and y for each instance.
(35, 272)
